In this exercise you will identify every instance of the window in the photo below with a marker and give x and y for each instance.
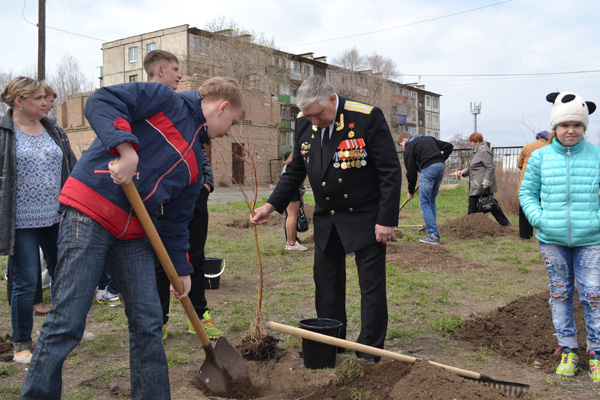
(413, 95)
(428, 119)
(435, 102)
(200, 46)
(414, 115)
(150, 47)
(420, 122)
(306, 70)
(428, 133)
(362, 80)
(289, 138)
(427, 101)
(133, 54)
(133, 78)
(412, 130)
(436, 120)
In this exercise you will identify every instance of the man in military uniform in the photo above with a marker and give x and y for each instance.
(347, 151)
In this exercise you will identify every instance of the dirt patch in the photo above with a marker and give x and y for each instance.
(475, 226)
(420, 255)
(522, 331)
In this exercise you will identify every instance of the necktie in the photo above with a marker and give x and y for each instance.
(324, 147)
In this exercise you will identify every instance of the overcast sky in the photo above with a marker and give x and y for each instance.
(454, 47)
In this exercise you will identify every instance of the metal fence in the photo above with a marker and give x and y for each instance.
(505, 158)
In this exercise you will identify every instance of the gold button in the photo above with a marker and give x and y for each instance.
(323, 184)
(332, 212)
(327, 198)
(351, 209)
(340, 180)
(345, 195)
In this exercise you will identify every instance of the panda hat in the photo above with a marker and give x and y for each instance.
(569, 107)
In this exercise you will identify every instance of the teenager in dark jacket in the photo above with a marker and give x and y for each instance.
(425, 154)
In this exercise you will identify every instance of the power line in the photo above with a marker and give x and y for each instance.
(56, 29)
(500, 75)
(403, 26)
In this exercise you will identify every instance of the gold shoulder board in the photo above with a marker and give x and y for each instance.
(300, 115)
(358, 107)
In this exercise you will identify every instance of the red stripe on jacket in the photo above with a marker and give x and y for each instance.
(164, 125)
(118, 222)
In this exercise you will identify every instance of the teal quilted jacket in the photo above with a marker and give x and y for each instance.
(567, 180)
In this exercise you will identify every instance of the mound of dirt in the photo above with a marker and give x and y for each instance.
(474, 226)
(390, 380)
(523, 331)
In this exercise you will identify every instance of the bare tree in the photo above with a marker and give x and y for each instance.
(248, 56)
(68, 78)
(367, 78)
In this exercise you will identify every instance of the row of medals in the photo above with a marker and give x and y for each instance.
(350, 159)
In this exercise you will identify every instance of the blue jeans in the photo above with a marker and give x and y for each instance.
(429, 186)
(82, 249)
(25, 277)
(566, 267)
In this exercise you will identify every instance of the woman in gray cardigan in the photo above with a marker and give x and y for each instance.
(482, 177)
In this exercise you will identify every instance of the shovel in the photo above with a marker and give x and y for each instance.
(510, 388)
(224, 371)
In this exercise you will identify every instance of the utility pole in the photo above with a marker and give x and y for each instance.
(475, 109)
(41, 75)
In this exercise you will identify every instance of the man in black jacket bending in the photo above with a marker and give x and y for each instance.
(346, 149)
(425, 154)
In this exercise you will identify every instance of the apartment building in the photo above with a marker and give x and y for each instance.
(272, 75)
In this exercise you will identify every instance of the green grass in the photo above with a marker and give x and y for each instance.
(423, 303)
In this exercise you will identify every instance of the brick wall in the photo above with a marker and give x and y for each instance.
(258, 133)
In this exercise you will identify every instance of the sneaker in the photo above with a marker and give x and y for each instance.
(296, 246)
(569, 361)
(594, 360)
(208, 325)
(164, 331)
(103, 296)
(430, 239)
(88, 336)
(23, 357)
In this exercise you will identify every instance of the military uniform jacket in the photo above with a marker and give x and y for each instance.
(359, 185)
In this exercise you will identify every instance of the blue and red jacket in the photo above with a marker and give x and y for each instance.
(167, 130)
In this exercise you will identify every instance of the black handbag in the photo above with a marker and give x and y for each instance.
(486, 203)
(302, 225)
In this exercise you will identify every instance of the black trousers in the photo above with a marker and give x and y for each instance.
(330, 295)
(497, 213)
(525, 228)
(198, 229)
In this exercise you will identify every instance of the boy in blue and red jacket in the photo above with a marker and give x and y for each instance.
(157, 135)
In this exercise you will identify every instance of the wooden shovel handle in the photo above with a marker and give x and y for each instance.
(317, 337)
(144, 218)
(407, 199)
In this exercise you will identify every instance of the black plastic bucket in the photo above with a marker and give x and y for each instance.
(213, 269)
(319, 355)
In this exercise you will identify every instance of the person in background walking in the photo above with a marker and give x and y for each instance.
(482, 177)
(559, 196)
(525, 228)
(425, 155)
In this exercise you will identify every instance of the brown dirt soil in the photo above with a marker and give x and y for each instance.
(519, 334)
(475, 226)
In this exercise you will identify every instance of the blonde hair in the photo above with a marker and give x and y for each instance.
(49, 90)
(21, 87)
(223, 88)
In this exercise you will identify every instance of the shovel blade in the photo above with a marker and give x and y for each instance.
(213, 377)
(231, 361)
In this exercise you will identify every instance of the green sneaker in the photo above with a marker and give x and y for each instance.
(164, 330)
(594, 360)
(209, 327)
(569, 361)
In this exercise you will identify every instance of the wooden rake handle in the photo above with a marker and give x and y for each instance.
(317, 337)
(144, 218)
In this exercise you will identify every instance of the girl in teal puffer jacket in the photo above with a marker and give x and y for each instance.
(565, 176)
